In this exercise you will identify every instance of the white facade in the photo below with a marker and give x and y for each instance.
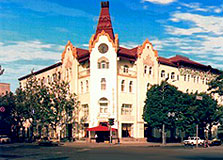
(114, 84)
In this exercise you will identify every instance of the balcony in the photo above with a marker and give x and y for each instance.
(84, 73)
(127, 73)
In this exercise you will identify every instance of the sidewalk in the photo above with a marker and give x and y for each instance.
(146, 144)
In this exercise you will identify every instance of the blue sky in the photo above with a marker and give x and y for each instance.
(33, 33)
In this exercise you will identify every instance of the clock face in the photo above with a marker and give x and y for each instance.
(103, 48)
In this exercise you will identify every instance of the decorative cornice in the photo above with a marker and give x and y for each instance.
(141, 48)
(73, 49)
(92, 42)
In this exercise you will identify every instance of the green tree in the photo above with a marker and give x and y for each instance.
(216, 85)
(207, 112)
(161, 101)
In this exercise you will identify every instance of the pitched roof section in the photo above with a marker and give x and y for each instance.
(178, 60)
(82, 54)
(128, 54)
(41, 70)
(104, 21)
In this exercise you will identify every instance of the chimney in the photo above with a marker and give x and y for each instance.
(105, 4)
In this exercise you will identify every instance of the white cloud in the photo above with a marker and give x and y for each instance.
(28, 50)
(201, 24)
(160, 1)
(129, 45)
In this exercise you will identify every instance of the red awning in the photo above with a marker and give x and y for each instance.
(100, 128)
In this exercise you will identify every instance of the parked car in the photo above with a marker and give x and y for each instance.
(4, 139)
(215, 142)
(48, 142)
(193, 140)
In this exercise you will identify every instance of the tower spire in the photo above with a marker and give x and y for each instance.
(104, 21)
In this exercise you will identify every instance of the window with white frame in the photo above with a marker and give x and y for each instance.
(126, 109)
(172, 75)
(103, 63)
(145, 69)
(103, 84)
(123, 85)
(150, 70)
(87, 86)
(82, 87)
(103, 102)
(126, 69)
(130, 86)
(85, 109)
(163, 74)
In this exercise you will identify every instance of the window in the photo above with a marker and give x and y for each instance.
(197, 79)
(150, 70)
(103, 63)
(103, 84)
(82, 87)
(126, 69)
(178, 77)
(130, 86)
(172, 75)
(54, 77)
(145, 69)
(85, 109)
(202, 80)
(162, 73)
(44, 80)
(126, 109)
(148, 86)
(188, 78)
(194, 79)
(103, 105)
(87, 87)
(49, 80)
(59, 75)
(185, 77)
(67, 72)
(123, 85)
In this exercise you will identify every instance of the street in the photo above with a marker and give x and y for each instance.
(83, 151)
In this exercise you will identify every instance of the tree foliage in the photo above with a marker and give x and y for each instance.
(216, 85)
(188, 110)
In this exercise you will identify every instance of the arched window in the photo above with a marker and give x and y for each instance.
(103, 63)
(103, 102)
(172, 75)
(130, 86)
(54, 77)
(197, 79)
(202, 80)
(188, 78)
(48, 78)
(194, 79)
(123, 85)
(162, 73)
(185, 77)
(150, 70)
(145, 69)
(82, 87)
(103, 84)
(126, 69)
(87, 86)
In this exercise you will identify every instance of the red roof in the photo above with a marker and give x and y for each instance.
(82, 54)
(100, 128)
(128, 54)
(104, 22)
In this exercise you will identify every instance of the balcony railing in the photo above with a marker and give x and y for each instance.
(128, 72)
(84, 73)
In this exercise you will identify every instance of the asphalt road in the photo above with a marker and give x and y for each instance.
(107, 152)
